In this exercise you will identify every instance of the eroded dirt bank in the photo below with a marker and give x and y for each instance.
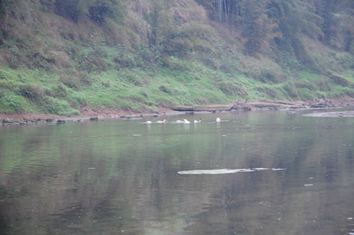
(87, 114)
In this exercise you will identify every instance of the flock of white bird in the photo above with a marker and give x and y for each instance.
(184, 121)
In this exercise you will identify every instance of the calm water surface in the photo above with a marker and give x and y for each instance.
(121, 177)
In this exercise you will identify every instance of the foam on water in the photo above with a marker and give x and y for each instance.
(224, 171)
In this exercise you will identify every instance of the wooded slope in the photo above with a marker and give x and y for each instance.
(60, 56)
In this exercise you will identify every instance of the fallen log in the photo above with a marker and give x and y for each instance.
(209, 108)
(266, 105)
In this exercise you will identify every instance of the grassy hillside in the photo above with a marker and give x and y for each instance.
(55, 63)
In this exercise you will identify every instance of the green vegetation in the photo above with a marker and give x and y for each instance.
(59, 56)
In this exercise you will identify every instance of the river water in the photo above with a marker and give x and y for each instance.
(121, 176)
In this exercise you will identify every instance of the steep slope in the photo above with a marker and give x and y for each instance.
(140, 55)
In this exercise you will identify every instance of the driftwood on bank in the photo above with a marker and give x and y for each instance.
(242, 106)
(261, 104)
(267, 105)
(237, 106)
(322, 104)
(210, 108)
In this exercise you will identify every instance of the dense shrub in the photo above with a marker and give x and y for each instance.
(230, 89)
(70, 81)
(69, 8)
(32, 92)
(56, 106)
(101, 9)
(290, 90)
(5, 5)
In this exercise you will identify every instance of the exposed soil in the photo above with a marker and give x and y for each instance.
(87, 113)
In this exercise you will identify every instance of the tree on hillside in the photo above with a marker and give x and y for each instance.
(175, 30)
(338, 25)
(250, 16)
(256, 26)
(348, 26)
(100, 9)
(69, 8)
(226, 12)
(328, 10)
(295, 19)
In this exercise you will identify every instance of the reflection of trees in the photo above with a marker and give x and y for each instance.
(120, 182)
(278, 202)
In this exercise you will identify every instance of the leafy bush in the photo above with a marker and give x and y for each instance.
(290, 90)
(306, 95)
(348, 91)
(301, 84)
(98, 13)
(321, 95)
(11, 101)
(164, 102)
(125, 58)
(133, 78)
(59, 91)
(56, 106)
(339, 80)
(32, 92)
(270, 75)
(85, 78)
(165, 89)
(77, 100)
(229, 89)
(70, 81)
(229, 62)
(269, 91)
(323, 85)
(5, 5)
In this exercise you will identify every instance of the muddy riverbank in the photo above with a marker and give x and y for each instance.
(99, 115)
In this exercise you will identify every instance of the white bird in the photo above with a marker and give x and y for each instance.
(148, 122)
(179, 121)
(163, 121)
(186, 121)
(198, 121)
(218, 119)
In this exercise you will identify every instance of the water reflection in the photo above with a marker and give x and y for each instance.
(121, 176)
